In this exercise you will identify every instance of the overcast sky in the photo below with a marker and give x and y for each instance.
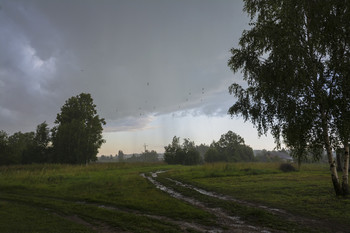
(155, 68)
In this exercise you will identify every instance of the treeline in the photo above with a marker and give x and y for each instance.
(75, 138)
(229, 148)
(145, 157)
(24, 148)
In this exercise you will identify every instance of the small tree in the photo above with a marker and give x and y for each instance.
(121, 156)
(171, 150)
(78, 134)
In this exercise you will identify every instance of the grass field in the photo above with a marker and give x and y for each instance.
(116, 198)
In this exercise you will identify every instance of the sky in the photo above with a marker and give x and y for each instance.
(155, 68)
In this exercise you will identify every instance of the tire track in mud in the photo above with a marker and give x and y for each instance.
(234, 221)
(282, 213)
(229, 223)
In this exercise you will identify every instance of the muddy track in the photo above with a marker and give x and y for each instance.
(301, 220)
(234, 222)
(227, 222)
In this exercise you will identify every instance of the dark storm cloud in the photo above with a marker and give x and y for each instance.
(135, 57)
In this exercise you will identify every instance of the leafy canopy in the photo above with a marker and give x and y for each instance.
(78, 134)
(295, 59)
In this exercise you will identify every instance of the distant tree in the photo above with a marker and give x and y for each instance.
(171, 150)
(38, 151)
(202, 149)
(212, 155)
(5, 149)
(231, 148)
(121, 156)
(133, 159)
(295, 59)
(20, 144)
(30, 147)
(42, 135)
(149, 156)
(185, 154)
(77, 135)
(192, 155)
(262, 156)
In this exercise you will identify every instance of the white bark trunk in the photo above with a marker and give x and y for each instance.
(345, 178)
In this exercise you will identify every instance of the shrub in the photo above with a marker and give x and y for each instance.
(287, 167)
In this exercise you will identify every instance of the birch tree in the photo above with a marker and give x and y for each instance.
(296, 62)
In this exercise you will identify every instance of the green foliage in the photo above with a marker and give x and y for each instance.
(5, 149)
(295, 60)
(230, 148)
(78, 133)
(31, 147)
(149, 156)
(21, 143)
(145, 157)
(121, 156)
(202, 149)
(212, 155)
(75, 139)
(185, 154)
(287, 167)
(38, 150)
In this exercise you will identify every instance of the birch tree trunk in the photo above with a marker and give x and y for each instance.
(332, 163)
(345, 179)
(339, 158)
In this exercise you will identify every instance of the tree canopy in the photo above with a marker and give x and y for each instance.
(78, 134)
(295, 60)
(75, 139)
(24, 148)
(185, 154)
(229, 148)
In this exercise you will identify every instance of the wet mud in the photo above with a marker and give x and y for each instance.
(227, 222)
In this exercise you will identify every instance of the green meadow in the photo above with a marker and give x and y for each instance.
(114, 197)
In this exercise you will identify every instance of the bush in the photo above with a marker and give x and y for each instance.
(287, 167)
